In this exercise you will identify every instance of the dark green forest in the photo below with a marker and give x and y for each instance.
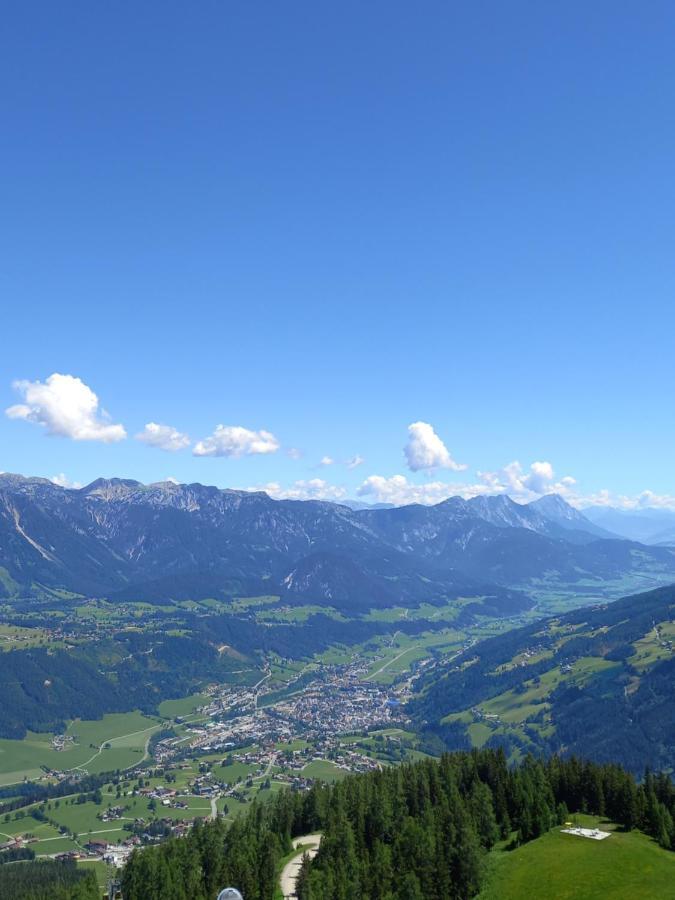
(47, 880)
(412, 831)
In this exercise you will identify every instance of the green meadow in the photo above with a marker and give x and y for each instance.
(557, 866)
(126, 733)
(325, 770)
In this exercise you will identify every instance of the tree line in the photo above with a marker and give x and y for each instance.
(412, 831)
(48, 880)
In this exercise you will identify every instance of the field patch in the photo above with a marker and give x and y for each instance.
(125, 733)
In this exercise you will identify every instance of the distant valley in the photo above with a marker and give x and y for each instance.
(173, 652)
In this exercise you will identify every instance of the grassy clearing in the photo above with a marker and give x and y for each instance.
(184, 706)
(565, 867)
(325, 770)
(649, 650)
(479, 733)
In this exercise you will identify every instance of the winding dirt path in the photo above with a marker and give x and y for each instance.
(289, 873)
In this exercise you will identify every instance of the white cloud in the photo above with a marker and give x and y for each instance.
(401, 492)
(521, 485)
(512, 480)
(294, 453)
(644, 500)
(425, 450)
(540, 477)
(235, 441)
(66, 407)
(355, 461)
(164, 437)
(326, 461)
(63, 481)
(528, 485)
(313, 489)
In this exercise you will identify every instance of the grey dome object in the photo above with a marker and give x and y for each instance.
(230, 894)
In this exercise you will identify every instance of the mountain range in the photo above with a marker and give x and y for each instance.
(118, 538)
(651, 525)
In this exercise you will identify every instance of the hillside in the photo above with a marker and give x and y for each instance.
(625, 866)
(415, 831)
(595, 682)
(125, 540)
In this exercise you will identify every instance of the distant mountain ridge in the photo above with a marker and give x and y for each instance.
(120, 538)
(651, 525)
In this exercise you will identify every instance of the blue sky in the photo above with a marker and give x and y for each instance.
(328, 223)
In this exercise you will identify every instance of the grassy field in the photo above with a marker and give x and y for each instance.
(566, 867)
(396, 655)
(649, 650)
(184, 706)
(324, 769)
(126, 733)
(13, 637)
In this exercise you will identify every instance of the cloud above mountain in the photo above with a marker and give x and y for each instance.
(512, 479)
(400, 491)
(163, 437)
(235, 441)
(311, 489)
(65, 407)
(425, 451)
(63, 481)
(528, 484)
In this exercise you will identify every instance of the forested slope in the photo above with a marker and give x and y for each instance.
(419, 830)
(597, 682)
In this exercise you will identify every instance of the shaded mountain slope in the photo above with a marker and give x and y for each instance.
(119, 538)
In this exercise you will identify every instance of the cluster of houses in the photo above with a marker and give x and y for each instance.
(113, 854)
(61, 742)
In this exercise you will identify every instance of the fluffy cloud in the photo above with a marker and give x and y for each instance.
(401, 492)
(164, 437)
(425, 450)
(235, 441)
(66, 407)
(521, 485)
(540, 477)
(528, 485)
(294, 453)
(313, 489)
(326, 461)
